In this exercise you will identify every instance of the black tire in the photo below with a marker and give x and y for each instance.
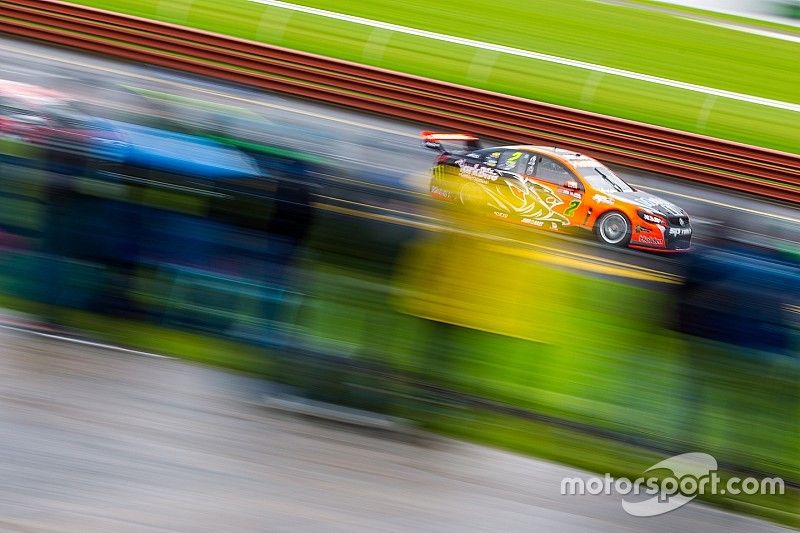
(613, 229)
(473, 198)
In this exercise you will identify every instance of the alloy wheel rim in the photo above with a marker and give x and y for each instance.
(614, 229)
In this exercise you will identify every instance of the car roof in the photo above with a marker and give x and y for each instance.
(564, 155)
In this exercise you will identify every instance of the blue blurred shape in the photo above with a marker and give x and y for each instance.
(183, 154)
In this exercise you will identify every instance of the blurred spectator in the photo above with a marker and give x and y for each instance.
(291, 220)
(59, 239)
(739, 293)
(473, 290)
(89, 219)
(735, 308)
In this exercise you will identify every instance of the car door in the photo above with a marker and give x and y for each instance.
(560, 190)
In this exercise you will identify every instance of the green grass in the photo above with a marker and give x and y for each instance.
(711, 16)
(628, 37)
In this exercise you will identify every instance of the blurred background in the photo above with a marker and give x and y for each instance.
(295, 242)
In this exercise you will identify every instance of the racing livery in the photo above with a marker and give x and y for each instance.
(554, 189)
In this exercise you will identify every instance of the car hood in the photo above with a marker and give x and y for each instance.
(649, 202)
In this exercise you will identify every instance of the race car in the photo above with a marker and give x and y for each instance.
(556, 190)
(49, 118)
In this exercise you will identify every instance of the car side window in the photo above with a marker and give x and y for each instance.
(513, 161)
(553, 172)
(530, 167)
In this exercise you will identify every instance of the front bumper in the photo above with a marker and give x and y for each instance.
(678, 237)
(674, 238)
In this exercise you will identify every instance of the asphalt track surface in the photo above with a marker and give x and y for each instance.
(100, 440)
(384, 154)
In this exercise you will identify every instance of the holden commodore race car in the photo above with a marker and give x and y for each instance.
(554, 189)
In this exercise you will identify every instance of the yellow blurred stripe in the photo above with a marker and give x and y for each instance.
(553, 256)
(623, 270)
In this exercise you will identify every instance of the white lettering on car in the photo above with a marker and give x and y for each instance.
(602, 199)
(650, 240)
(651, 218)
(476, 172)
(532, 221)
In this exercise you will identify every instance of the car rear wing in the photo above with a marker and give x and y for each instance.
(434, 140)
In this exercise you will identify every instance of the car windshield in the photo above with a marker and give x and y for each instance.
(603, 179)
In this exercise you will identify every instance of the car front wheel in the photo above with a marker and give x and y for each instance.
(614, 229)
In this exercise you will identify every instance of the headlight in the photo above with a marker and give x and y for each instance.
(652, 218)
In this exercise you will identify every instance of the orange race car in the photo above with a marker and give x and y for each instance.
(556, 190)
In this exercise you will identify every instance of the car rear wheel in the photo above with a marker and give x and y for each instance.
(473, 197)
(614, 229)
